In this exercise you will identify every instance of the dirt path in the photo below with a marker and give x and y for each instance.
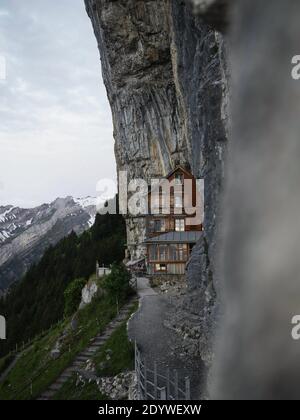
(158, 343)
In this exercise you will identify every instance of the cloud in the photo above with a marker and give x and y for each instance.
(4, 13)
(55, 118)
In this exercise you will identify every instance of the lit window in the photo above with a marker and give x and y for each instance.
(161, 267)
(179, 225)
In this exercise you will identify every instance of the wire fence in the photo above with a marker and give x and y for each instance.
(29, 382)
(153, 384)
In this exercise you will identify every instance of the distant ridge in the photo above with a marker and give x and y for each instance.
(26, 233)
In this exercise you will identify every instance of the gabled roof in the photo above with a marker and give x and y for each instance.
(178, 168)
(132, 263)
(176, 237)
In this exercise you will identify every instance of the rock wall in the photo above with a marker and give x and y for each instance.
(165, 74)
(257, 357)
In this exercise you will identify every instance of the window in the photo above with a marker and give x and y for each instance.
(153, 252)
(155, 202)
(162, 252)
(151, 226)
(179, 179)
(159, 226)
(178, 252)
(161, 267)
(179, 225)
(178, 202)
(182, 252)
(173, 252)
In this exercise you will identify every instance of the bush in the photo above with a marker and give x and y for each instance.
(72, 296)
(116, 284)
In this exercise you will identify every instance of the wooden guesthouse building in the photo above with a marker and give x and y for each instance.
(172, 228)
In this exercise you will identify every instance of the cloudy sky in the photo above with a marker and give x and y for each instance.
(55, 123)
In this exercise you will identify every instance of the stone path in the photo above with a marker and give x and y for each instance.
(144, 288)
(88, 352)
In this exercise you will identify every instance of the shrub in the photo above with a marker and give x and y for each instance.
(116, 284)
(72, 296)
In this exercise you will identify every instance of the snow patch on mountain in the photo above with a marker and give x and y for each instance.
(3, 216)
(26, 233)
(86, 202)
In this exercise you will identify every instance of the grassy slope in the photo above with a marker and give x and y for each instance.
(36, 363)
(5, 362)
(121, 359)
(88, 392)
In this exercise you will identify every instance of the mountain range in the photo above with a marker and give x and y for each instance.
(26, 233)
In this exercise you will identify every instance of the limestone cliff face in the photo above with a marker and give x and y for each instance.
(165, 75)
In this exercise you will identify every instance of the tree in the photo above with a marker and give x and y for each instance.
(117, 283)
(72, 296)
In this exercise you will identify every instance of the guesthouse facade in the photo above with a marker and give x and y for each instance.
(174, 225)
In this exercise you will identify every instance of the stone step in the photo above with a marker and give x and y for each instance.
(95, 347)
(63, 379)
(69, 371)
(66, 375)
(47, 395)
(77, 363)
(88, 357)
(55, 387)
(92, 347)
(98, 340)
(105, 337)
(81, 358)
(87, 353)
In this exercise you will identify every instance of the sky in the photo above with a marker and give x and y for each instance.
(55, 122)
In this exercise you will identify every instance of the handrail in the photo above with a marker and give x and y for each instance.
(162, 386)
